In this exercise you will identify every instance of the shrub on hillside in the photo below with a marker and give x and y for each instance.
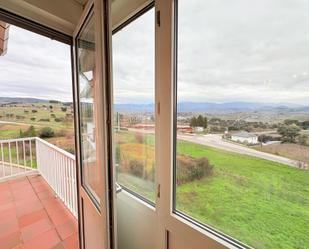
(34, 111)
(44, 120)
(190, 168)
(53, 115)
(33, 119)
(64, 109)
(46, 132)
(30, 132)
(59, 119)
(136, 168)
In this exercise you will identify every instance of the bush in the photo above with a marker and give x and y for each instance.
(59, 119)
(30, 132)
(53, 115)
(44, 120)
(33, 119)
(34, 111)
(136, 168)
(46, 132)
(64, 109)
(190, 169)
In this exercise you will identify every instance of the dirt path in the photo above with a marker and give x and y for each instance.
(215, 140)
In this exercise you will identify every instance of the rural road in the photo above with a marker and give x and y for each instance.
(215, 140)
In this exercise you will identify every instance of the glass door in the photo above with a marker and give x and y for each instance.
(91, 128)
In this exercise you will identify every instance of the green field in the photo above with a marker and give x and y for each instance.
(262, 203)
(259, 202)
(19, 117)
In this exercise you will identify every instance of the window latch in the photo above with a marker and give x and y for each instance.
(158, 191)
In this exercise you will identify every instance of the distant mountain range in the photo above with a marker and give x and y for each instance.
(206, 106)
(182, 106)
(4, 100)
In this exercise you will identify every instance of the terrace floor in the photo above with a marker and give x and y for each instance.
(33, 217)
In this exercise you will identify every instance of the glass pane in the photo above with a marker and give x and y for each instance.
(243, 119)
(86, 80)
(134, 111)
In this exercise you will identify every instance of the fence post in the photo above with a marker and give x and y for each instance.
(37, 154)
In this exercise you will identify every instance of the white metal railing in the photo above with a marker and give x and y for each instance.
(17, 156)
(57, 167)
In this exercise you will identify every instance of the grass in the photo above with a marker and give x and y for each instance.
(64, 130)
(43, 112)
(260, 202)
(18, 158)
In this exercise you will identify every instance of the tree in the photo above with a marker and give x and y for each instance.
(199, 121)
(288, 133)
(193, 122)
(305, 125)
(64, 109)
(291, 121)
(302, 139)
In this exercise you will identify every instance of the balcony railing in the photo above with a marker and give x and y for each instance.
(27, 155)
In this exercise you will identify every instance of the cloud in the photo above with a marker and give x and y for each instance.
(35, 66)
(227, 51)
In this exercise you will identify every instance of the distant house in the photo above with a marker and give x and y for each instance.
(245, 137)
(199, 129)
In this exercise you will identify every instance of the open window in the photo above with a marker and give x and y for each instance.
(134, 108)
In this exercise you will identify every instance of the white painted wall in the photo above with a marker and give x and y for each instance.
(249, 140)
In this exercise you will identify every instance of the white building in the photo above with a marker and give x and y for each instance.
(245, 137)
(199, 129)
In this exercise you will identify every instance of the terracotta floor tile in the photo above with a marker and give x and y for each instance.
(32, 217)
(35, 229)
(71, 242)
(46, 240)
(8, 227)
(20, 246)
(28, 207)
(4, 199)
(46, 195)
(60, 217)
(10, 241)
(7, 206)
(41, 188)
(30, 213)
(8, 214)
(59, 246)
(4, 186)
(67, 229)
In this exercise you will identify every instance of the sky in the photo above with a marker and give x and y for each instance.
(36, 67)
(240, 50)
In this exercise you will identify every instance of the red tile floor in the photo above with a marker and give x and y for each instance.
(32, 217)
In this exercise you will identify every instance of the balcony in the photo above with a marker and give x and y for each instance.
(38, 199)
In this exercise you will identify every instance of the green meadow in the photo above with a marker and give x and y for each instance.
(259, 202)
